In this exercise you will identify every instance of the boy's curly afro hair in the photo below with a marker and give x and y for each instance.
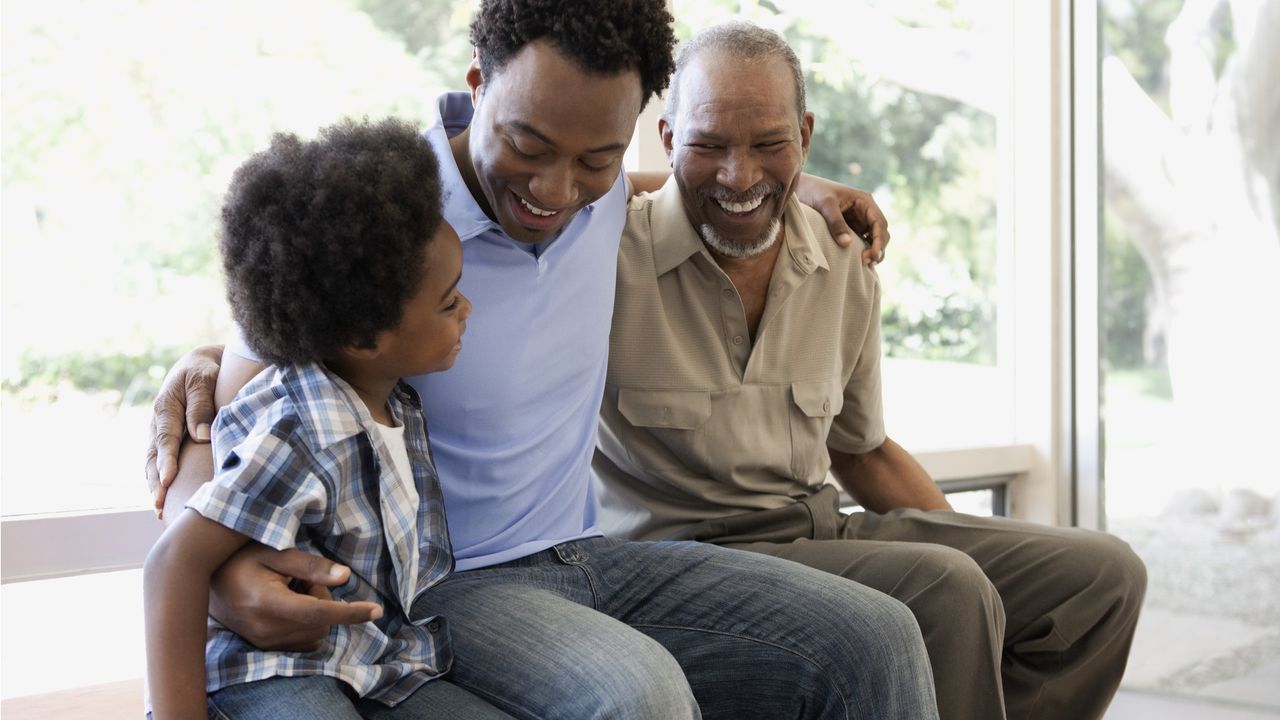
(601, 36)
(323, 241)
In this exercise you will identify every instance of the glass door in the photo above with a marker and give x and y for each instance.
(1189, 341)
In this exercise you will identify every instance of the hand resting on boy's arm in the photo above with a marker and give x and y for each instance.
(251, 592)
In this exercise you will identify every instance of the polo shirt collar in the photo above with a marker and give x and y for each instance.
(454, 113)
(675, 240)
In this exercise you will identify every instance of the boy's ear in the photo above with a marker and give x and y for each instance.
(363, 351)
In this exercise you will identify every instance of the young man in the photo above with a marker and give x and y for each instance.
(548, 618)
(745, 363)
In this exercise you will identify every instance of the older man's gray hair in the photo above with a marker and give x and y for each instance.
(741, 40)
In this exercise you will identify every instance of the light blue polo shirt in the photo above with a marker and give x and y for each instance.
(513, 423)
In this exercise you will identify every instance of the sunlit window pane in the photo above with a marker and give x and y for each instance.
(1191, 253)
(122, 123)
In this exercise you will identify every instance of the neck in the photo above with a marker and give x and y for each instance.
(373, 388)
(460, 144)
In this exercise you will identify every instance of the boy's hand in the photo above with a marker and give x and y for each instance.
(252, 597)
(849, 212)
(183, 408)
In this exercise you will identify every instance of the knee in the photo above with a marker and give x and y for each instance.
(1119, 569)
(644, 681)
(948, 584)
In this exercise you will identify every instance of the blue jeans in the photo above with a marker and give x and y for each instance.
(317, 697)
(604, 628)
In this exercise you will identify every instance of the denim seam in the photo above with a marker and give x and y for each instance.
(822, 671)
(212, 705)
(499, 701)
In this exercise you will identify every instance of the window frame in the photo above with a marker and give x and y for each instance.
(1048, 181)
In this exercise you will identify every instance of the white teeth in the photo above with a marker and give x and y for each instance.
(740, 207)
(537, 210)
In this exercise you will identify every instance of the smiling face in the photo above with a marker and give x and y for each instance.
(737, 146)
(546, 140)
(429, 335)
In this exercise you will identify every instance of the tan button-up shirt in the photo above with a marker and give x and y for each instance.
(699, 422)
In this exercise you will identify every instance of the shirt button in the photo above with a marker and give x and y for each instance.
(433, 627)
(737, 339)
(826, 406)
(728, 294)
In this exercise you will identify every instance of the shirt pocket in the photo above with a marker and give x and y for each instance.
(671, 424)
(814, 407)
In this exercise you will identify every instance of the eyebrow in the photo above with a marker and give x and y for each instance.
(449, 290)
(526, 127)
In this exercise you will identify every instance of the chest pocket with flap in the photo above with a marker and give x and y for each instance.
(816, 405)
(674, 420)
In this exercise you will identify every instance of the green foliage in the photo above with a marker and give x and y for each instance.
(1126, 285)
(930, 161)
(135, 376)
(133, 116)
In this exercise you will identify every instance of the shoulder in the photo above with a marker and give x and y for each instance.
(845, 264)
(301, 407)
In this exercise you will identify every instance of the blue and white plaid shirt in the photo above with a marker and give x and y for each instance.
(300, 463)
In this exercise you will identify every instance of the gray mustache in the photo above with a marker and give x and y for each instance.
(752, 193)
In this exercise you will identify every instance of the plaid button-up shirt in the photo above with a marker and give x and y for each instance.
(301, 464)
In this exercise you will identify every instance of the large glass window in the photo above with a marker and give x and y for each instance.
(122, 122)
(909, 99)
(1190, 256)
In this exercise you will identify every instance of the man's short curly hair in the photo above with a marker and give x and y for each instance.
(323, 241)
(601, 36)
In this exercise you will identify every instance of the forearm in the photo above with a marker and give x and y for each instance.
(887, 478)
(176, 596)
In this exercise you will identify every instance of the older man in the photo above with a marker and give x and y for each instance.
(745, 363)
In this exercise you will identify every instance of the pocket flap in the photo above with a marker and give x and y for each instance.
(819, 398)
(679, 409)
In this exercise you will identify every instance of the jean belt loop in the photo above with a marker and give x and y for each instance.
(569, 553)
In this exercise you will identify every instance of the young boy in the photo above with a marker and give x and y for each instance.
(341, 272)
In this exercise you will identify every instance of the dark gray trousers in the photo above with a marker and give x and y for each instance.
(1021, 620)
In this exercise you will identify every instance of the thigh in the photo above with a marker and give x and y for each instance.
(1034, 568)
(312, 697)
(522, 645)
(438, 699)
(761, 637)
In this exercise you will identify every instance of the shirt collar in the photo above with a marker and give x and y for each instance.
(802, 242)
(674, 237)
(332, 409)
(675, 240)
(453, 115)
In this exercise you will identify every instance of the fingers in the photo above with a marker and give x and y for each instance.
(308, 610)
(167, 423)
(876, 239)
(199, 386)
(830, 210)
(303, 566)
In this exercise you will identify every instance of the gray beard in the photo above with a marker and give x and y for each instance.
(748, 250)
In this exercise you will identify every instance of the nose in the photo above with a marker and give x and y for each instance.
(554, 187)
(739, 170)
(465, 311)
